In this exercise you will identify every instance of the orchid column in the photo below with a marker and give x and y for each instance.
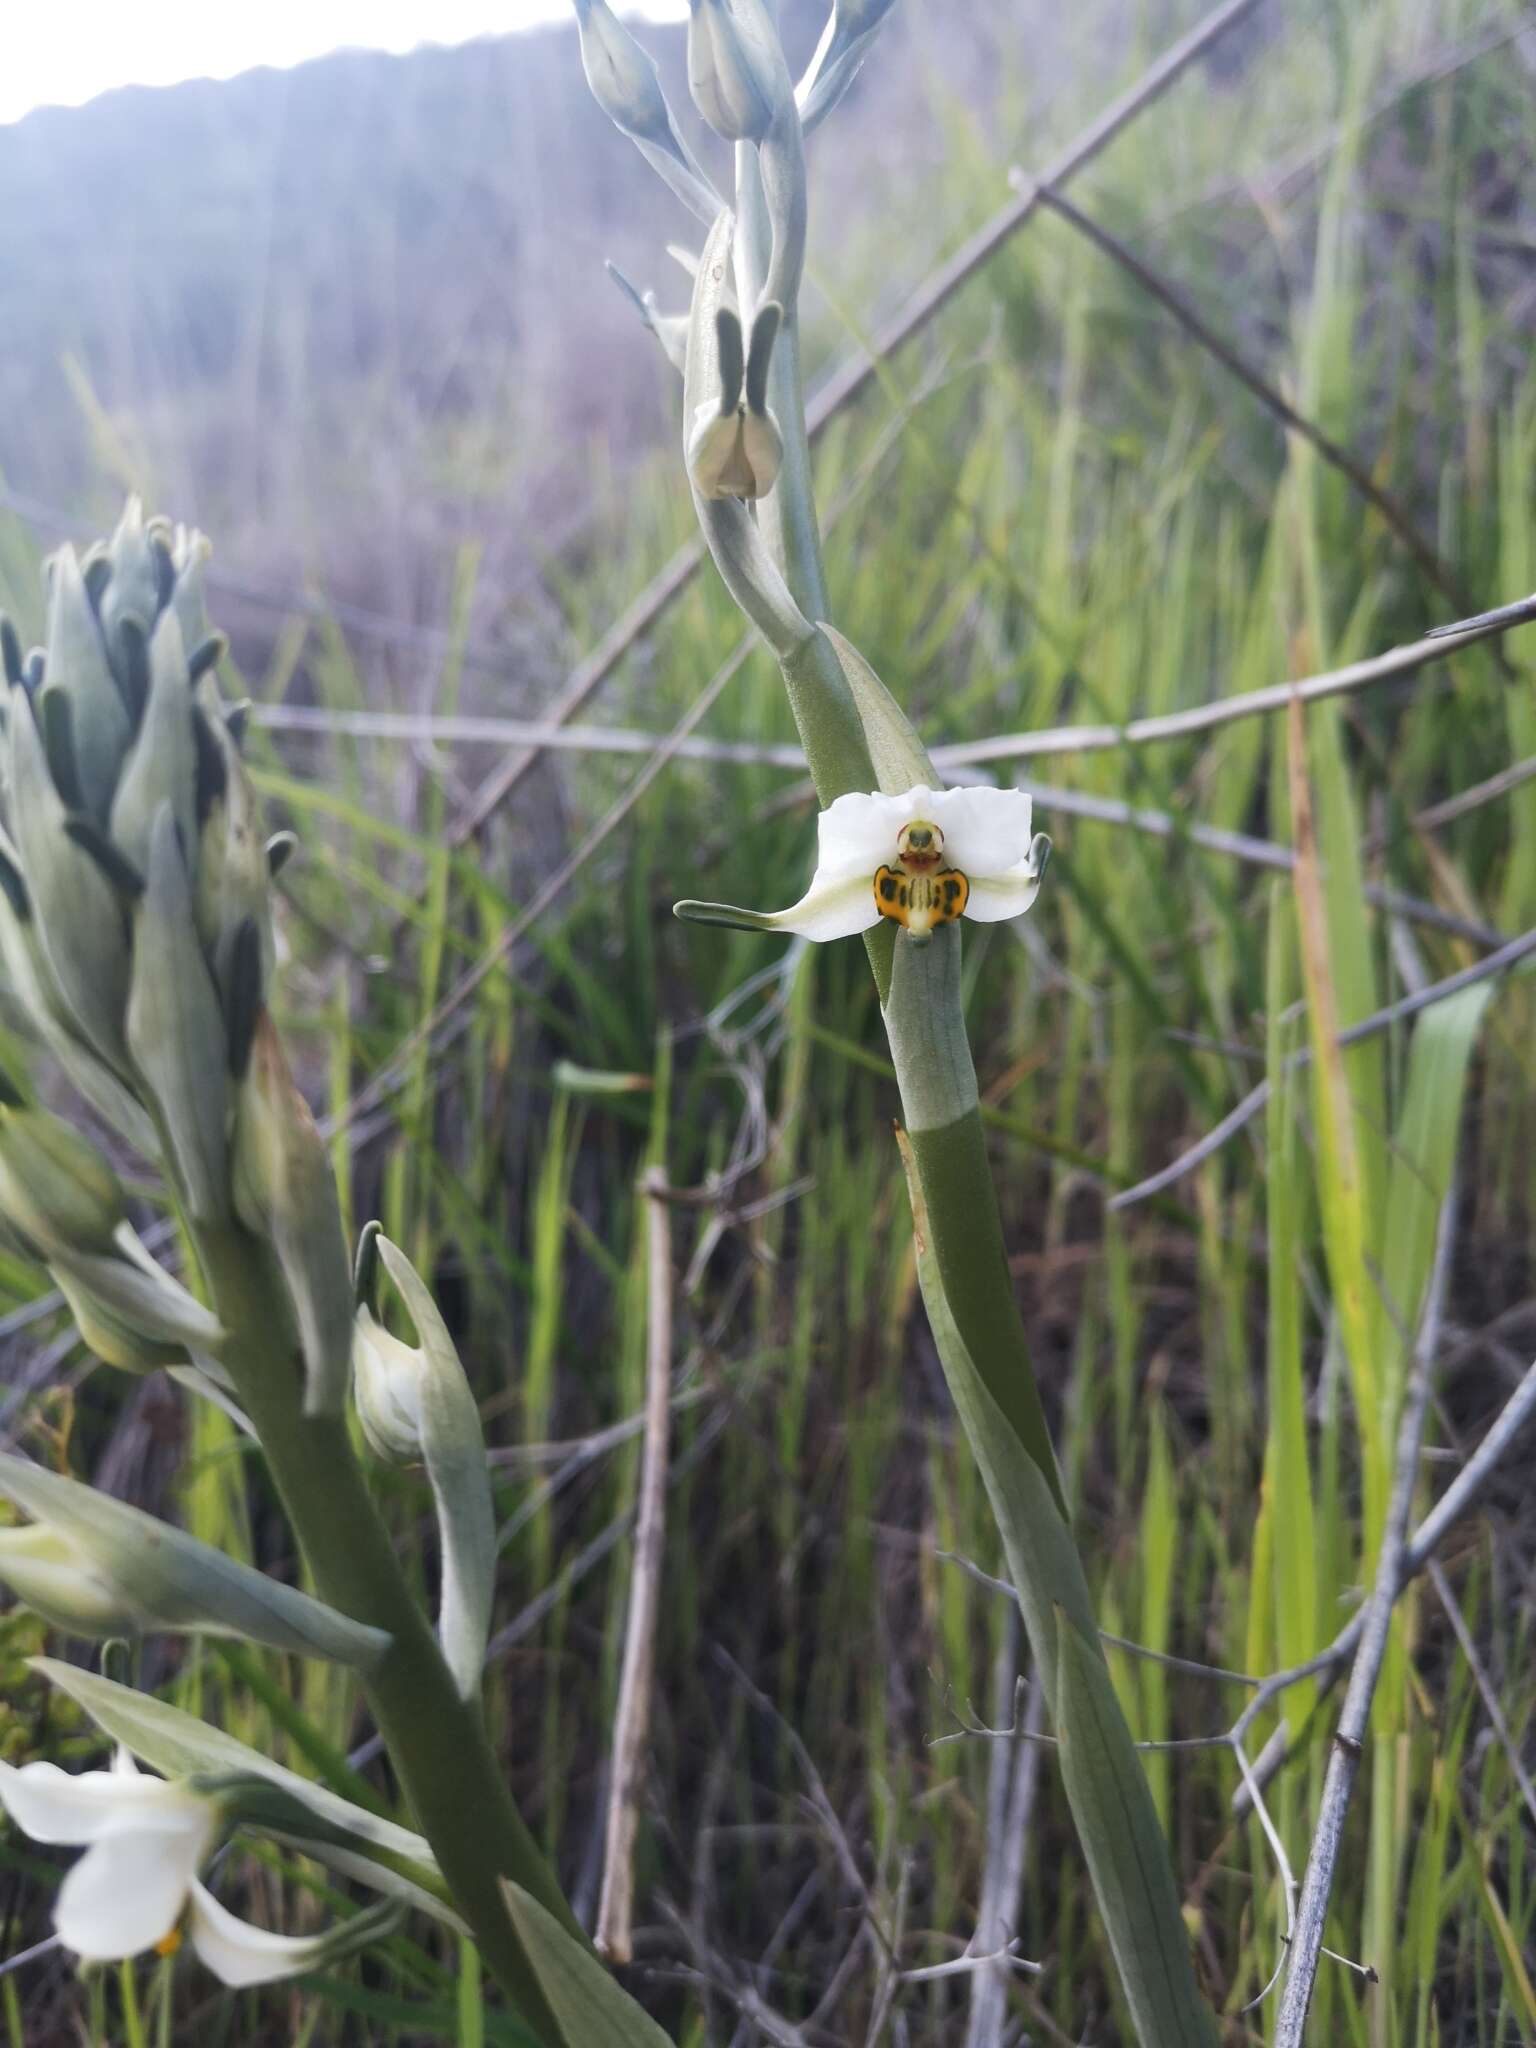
(901, 861)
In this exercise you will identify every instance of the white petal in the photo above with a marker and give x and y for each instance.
(240, 1954)
(127, 1891)
(986, 831)
(52, 1806)
(717, 457)
(995, 897)
(763, 447)
(857, 833)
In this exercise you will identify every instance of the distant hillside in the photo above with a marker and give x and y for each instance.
(343, 314)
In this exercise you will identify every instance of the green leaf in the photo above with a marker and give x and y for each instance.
(898, 756)
(1116, 1820)
(1111, 1801)
(591, 2009)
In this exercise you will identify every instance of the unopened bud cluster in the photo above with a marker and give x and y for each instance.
(136, 929)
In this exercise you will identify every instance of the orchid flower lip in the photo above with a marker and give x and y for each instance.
(922, 858)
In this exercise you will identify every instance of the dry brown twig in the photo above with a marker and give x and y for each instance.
(632, 1715)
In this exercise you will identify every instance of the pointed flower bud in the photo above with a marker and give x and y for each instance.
(622, 76)
(175, 1026)
(732, 85)
(78, 674)
(56, 1190)
(415, 1402)
(625, 84)
(58, 1581)
(136, 564)
(161, 765)
(285, 1191)
(79, 913)
(130, 1311)
(153, 1576)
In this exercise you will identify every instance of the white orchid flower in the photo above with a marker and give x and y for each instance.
(136, 1887)
(921, 859)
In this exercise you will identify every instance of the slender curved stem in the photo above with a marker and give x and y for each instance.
(436, 1740)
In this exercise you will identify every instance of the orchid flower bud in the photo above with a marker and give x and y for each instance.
(625, 84)
(78, 678)
(284, 1190)
(175, 1026)
(415, 1403)
(56, 1190)
(130, 1311)
(732, 87)
(94, 1566)
(622, 76)
(58, 1581)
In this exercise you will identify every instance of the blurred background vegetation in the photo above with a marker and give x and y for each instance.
(352, 320)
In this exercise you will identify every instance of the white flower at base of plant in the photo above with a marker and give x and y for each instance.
(136, 1887)
(922, 859)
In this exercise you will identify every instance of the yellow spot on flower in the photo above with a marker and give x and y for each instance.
(168, 1944)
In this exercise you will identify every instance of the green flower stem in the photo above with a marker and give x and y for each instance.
(437, 1742)
(967, 1287)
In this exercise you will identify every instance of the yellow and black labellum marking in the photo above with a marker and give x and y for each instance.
(921, 903)
(168, 1944)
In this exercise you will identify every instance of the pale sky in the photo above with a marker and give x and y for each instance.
(61, 55)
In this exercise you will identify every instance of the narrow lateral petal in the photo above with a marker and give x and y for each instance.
(828, 910)
(239, 1954)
